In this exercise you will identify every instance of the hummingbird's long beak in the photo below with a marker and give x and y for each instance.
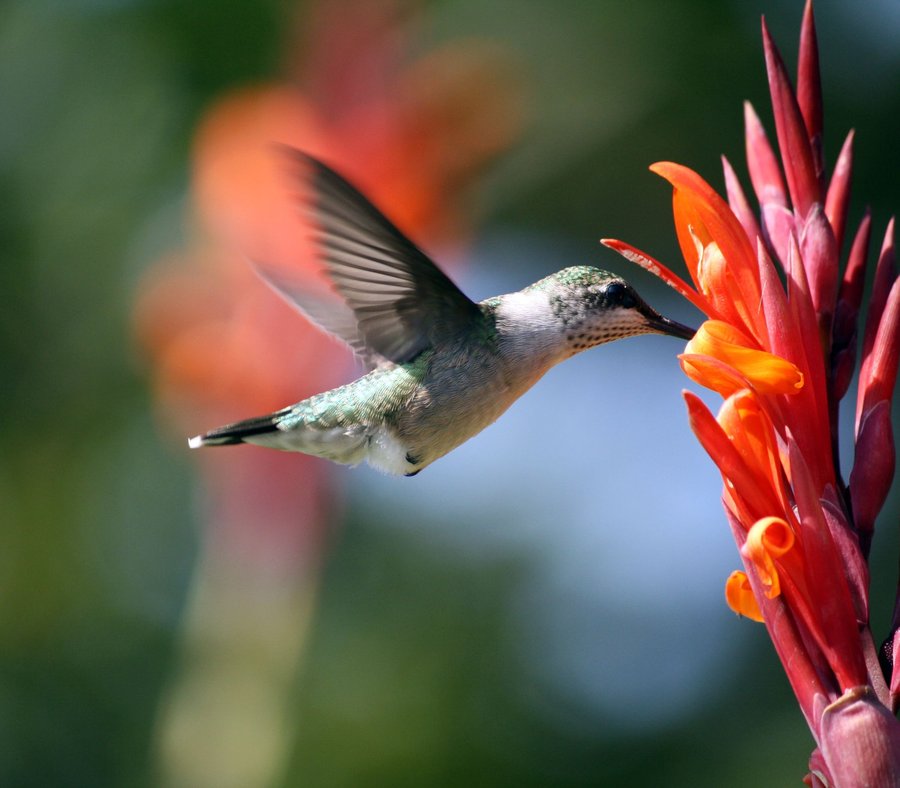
(665, 326)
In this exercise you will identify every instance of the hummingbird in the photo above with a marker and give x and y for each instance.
(441, 366)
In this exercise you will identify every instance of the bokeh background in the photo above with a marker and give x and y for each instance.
(543, 606)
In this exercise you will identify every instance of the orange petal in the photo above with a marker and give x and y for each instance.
(739, 596)
(656, 268)
(713, 374)
(752, 433)
(765, 372)
(753, 491)
(702, 214)
(768, 539)
(723, 289)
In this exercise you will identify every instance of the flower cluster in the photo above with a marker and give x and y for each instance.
(780, 346)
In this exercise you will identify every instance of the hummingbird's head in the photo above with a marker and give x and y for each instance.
(595, 307)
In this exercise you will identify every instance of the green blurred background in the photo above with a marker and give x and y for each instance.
(542, 607)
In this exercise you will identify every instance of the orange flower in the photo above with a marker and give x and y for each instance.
(781, 353)
(760, 370)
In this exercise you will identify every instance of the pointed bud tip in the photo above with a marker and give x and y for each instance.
(767, 39)
(196, 442)
(662, 168)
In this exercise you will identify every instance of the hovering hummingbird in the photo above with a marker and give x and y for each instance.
(442, 366)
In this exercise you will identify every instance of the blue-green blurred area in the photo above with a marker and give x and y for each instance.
(543, 606)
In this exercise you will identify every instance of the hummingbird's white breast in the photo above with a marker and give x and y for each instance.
(531, 336)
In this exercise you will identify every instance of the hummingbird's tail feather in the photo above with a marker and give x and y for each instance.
(239, 432)
(288, 430)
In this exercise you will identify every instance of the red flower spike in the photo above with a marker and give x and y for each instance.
(837, 199)
(783, 357)
(854, 274)
(873, 469)
(803, 674)
(809, 86)
(846, 314)
(820, 258)
(812, 428)
(842, 368)
(847, 545)
(765, 171)
(777, 221)
(786, 341)
(881, 372)
(793, 142)
(779, 225)
(877, 673)
(885, 275)
(833, 605)
(780, 323)
(737, 200)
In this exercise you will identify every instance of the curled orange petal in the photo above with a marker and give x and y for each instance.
(765, 372)
(739, 595)
(768, 539)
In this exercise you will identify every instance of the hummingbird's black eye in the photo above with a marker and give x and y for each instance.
(619, 294)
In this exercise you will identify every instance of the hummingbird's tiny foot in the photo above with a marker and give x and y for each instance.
(412, 460)
(196, 442)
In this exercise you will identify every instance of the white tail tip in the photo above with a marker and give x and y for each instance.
(196, 442)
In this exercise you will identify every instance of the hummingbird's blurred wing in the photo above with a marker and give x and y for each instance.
(401, 300)
(332, 315)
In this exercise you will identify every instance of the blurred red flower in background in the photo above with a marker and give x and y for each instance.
(413, 134)
(222, 346)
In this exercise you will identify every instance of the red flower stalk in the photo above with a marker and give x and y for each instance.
(780, 347)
